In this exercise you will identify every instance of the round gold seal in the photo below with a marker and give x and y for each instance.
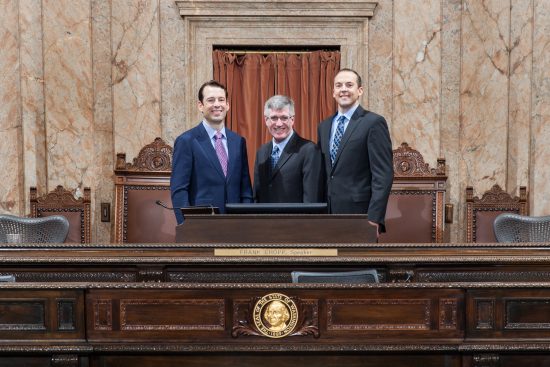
(275, 315)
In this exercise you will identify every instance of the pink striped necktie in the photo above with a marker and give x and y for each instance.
(221, 153)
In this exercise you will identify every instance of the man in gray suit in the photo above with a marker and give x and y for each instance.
(357, 153)
(288, 168)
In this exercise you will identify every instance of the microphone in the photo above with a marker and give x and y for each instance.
(199, 209)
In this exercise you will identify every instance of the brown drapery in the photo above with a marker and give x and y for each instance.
(252, 78)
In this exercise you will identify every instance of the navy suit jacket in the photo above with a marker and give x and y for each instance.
(360, 180)
(295, 179)
(197, 176)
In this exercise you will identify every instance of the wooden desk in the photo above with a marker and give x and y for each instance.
(148, 305)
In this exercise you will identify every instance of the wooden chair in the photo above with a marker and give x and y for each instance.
(416, 207)
(481, 213)
(138, 186)
(62, 202)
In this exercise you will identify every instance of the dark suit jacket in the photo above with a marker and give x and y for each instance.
(295, 179)
(197, 176)
(361, 178)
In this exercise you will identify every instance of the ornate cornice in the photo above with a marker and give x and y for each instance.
(288, 8)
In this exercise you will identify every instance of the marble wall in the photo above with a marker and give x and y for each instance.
(467, 80)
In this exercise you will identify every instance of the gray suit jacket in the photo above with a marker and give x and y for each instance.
(295, 179)
(361, 178)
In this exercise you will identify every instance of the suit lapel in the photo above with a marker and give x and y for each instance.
(233, 148)
(285, 154)
(352, 125)
(204, 141)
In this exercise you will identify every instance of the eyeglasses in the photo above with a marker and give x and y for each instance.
(282, 118)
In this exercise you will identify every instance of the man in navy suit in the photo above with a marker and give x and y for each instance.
(357, 153)
(288, 168)
(210, 164)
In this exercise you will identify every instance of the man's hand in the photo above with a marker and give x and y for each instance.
(376, 225)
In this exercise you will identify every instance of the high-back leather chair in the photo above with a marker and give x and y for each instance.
(138, 186)
(481, 212)
(62, 202)
(416, 207)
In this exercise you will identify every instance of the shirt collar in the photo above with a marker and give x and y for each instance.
(211, 131)
(348, 113)
(282, 144)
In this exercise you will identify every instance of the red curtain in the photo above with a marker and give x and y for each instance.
(252, 78)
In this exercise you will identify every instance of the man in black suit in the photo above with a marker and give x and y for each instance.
(288, 168)
(357, 153)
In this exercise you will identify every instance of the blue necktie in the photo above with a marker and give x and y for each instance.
(274, 156)
(337, 138)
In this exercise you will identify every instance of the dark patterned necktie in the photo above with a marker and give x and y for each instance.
(337, 138)
(274, 156)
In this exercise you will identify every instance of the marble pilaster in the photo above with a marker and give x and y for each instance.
(519, 114)
(484, 93)
(417, 76)
(450, 110)
(104, 157)
(539, 190)
(380, 62)
(11, 164)
(68, 92)
(172, 49)
(136, 74)
(32, 97)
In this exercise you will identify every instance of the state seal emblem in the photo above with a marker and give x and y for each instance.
(275, 315)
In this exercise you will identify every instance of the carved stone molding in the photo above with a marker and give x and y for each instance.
(153, 157)
(289, 8)
(237, 23)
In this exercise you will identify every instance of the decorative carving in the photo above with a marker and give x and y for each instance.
(151, 274)
(154, 157)
(64, 360)
(408, 162)
(244, 325)
(448, 309)
(66, 314)
(125, 304)
(482, 276)
(486, 360)
(77, 276)
(364, 303)
(401, 275)
(484, 313)
(495, 200)
(103, 314)
(62, 201)
(229, 277)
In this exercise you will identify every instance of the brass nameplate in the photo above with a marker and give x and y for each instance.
(276, 252)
